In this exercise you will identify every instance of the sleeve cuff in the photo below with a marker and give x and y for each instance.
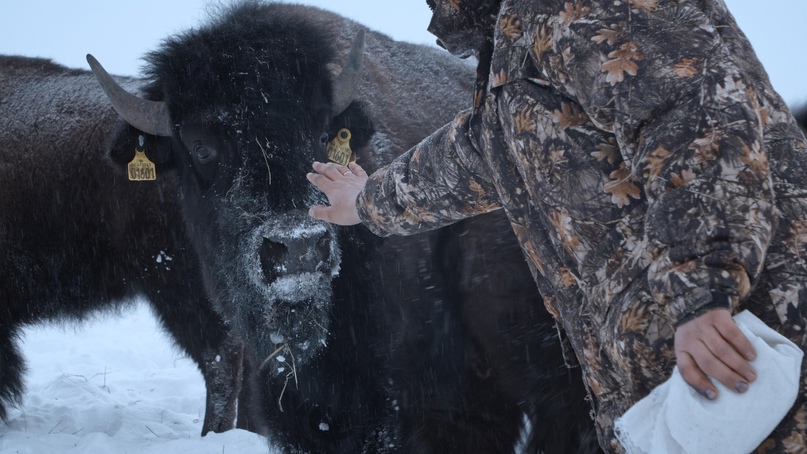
(718, 300)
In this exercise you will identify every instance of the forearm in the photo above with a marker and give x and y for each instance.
(440, 181)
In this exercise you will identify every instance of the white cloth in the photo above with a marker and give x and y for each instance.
(674, 418)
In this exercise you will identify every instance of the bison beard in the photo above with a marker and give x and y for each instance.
(291, 270)
(434, 343)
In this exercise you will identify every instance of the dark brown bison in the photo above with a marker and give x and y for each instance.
(434, 343)
(77, 237)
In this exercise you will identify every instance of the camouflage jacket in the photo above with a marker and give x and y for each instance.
(649, 170)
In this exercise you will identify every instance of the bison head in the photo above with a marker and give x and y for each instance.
(238, 111)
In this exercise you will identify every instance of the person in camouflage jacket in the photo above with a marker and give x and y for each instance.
(656, 181)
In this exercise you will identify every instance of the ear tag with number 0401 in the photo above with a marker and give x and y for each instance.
(141, 168)
(339, 148)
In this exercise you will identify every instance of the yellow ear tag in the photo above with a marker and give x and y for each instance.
(339, 148)
(141, 168)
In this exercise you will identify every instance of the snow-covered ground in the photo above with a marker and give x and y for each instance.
(115, 385)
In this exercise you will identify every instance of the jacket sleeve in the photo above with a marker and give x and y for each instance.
(663, 77)
(440, 181)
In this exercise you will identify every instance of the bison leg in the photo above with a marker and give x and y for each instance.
(222, 371)
(202, 333)
(247, 419)
(12, 367)
(479, 419)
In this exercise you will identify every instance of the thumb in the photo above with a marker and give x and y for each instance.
(319, 212)
(334, 215)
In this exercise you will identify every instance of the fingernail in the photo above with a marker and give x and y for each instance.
(709, 394)
(741, 387)
(751, 355)
(751, 376)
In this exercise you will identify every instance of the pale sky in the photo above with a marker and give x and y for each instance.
(118, 32)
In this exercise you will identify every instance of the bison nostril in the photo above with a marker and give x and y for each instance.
(273, 259)
(323, 248)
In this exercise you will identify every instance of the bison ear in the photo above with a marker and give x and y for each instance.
(355, 119)
(128, 138)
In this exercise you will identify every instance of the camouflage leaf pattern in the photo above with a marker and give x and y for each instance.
(650, 172)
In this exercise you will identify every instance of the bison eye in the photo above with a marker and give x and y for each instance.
(204, 154)
(324, 138)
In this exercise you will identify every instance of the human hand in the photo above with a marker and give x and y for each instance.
(712, 344)
(341, 185)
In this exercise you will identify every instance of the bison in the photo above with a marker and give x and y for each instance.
(434, 343)
(78, 238)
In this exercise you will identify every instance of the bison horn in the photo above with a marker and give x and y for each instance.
(150, 117)
(346, 84)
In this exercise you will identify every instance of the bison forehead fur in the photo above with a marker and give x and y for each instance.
(261, 84)
(268, 72)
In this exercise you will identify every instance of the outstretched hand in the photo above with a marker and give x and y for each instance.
(342, 186)
(712, 344)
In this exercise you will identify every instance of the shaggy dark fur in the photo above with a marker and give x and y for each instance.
(78, 238)
(433, 343)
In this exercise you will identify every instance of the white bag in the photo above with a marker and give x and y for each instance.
(674, 418)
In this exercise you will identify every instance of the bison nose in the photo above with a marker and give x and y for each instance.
(285, 256)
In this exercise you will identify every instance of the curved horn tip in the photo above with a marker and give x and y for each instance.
(346, 84)
(94, 64)
(357, 50)
(151, 117)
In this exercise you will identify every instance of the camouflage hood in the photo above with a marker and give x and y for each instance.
(464, 27)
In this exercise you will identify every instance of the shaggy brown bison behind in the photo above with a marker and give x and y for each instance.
(434, 343)
(78, 238)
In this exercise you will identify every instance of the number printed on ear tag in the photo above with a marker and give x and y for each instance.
(141, 168)
(339, 148)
